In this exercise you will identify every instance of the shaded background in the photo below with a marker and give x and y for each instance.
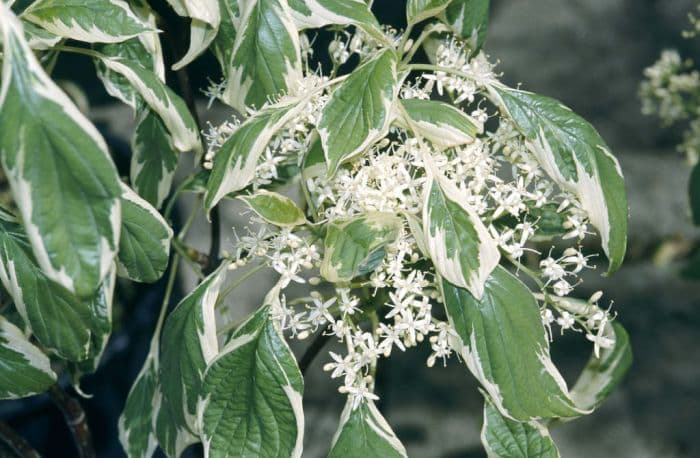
(590, 54)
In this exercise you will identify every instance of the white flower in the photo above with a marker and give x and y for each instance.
(319, 313)
(359, 392)
(552, 270)
(390, 337)
(562, 288)
(348, 303)
(599, 340)
(565, 320)
(341, 366)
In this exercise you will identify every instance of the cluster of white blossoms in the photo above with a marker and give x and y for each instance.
(394, 307)
(671, 91)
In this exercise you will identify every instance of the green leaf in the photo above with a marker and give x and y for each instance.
(459, 244)
(275, 208)
(251, 396)
(574, 155)
(364, 433)
(311, 14)
(24, 369)
(205, 18)
(162, 100)
(265, 61)
(350, 243)
(443, 125)
(154, 158)
(694, 193)
(550, 223)
(188, 344)
(136, 431)
(62, 178)
(505, 438)
(93, 21)
(235, 162)
(144, 247)
(469, 19)
(359, 111)
(56, 317)
(420, 10)
(602, 375)
(504, 346)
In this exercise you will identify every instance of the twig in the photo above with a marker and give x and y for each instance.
(313, 351)
(16, 443)
(75, 419)
(185, 89)
(215, 244)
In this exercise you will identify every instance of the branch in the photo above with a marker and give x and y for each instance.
(313, 350)
(16, 443)
(76, 420)
(185, 89)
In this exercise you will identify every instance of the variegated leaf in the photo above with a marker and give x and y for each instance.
(60, 173)
(222, 46)
(162, 100)
(136, 428)
(420, 10)
(100, 308)
(503, 343)
(506, 438)
(251, 397)
(38, 38)
(468, 19)
(360, 110)
(574, 155)
(275, 208)
(93, 21)
(144, 247)
(603, 374)
(311, 14)
(459, 244)
(443, 125)
(235, 162)
(354, 246)
(188, 344)
(144, 50)
(154, 158)
(60, 321)
(265, 62)
(363, 432)
(205, 17)
(24, 369)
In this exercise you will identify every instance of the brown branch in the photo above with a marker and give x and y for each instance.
(75, 419)
(16, 443)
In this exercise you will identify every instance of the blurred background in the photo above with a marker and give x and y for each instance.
(590, 54)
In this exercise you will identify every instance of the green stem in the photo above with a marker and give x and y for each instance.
(436, 68)
(166, 297)
(188, 255)
(404, 38)
(436, 28)
(529, 272)
(76, 50)
(237, 283)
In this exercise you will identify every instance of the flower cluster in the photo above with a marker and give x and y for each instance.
(671, 91)
(393, 307)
